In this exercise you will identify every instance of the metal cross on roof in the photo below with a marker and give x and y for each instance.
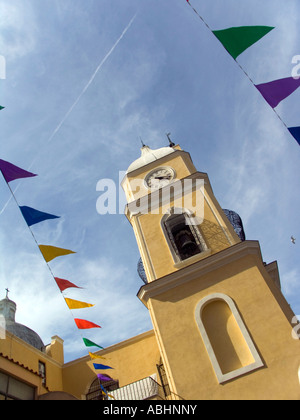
(170, 141)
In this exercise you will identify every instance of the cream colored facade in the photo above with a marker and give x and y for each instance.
(221, 327)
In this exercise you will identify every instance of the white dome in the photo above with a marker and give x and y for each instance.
(148, 155)
(8, 311)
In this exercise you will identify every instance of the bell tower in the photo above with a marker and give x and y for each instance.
(222, 324)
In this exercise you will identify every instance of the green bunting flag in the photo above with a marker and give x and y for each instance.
(1, 107)
(238, 39)
(90, 343)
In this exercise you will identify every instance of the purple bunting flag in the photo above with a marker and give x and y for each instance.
(277, 90)
(103, 377)
(11, 172)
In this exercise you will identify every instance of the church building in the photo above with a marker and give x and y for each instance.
(222, 329)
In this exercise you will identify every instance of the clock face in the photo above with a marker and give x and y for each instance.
(159, 177)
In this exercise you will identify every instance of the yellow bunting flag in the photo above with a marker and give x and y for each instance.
(50, 252)
(77, 304)
(95, 356)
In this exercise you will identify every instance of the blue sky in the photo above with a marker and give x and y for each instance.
(167, 73)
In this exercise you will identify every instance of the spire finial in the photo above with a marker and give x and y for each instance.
(170, 141)
(7, 290)
(143, 145)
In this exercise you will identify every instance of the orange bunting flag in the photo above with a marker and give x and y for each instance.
(77, 304)
(50, 252)
(82, 324)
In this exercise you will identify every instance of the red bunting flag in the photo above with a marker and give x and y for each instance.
(82, 324)
(64, 284)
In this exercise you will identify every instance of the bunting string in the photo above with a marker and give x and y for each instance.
(32, 216)
(236, 40)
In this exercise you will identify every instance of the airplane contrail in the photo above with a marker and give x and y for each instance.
(92, 78)
(79, 97)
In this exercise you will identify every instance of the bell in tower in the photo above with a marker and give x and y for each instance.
(210, 296)
(186, 243)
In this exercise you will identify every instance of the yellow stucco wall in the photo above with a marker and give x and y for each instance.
(231, 269)
(216, 230)
(19, 351)
(132, 360)
(266, 315)
(179, 160)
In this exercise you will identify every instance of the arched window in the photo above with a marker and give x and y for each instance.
(227, 341)
(95, 391)
(182, 234)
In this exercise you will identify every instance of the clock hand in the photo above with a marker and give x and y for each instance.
(163, 177)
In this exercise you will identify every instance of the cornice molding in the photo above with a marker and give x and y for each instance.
(156, 162)
(112, 348)
(156, 199)
(40, 354)
(200, 268)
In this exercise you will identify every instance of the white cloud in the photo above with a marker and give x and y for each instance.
(17, 29)
(167, 74)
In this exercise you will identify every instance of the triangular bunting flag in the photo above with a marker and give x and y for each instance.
(1, 107)
(77, 304)
(96, 356)
(104, 392)
(50, 252)
(90, 343)
(65, 284)
(82, 324)
(33, 216)
(277, 90)
(12, 172)
(102, 377)
(99, 366)
(238, 39)
(295, 132)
